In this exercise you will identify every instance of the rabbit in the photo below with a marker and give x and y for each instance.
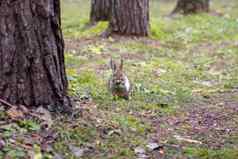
(119, 84)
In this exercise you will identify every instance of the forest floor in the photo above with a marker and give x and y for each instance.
(184, 103)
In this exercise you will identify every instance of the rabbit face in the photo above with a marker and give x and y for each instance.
(118, 78)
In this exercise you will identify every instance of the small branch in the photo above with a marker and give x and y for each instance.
(179, 138)
(6, 103)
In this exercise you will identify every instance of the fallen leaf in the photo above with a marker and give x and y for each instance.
(14, 113)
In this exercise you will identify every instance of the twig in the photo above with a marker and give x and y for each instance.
(6, 103)
(22, 110)
(179, 138)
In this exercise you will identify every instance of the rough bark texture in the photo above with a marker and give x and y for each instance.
(191, 6)
(100, 10)
(130, 17)
(32, 70)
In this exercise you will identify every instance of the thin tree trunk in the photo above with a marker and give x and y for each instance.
(32, 69)
(191, 6)
(130, 17)
(100, 10)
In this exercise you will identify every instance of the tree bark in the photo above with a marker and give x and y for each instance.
(100, 10)
(130, 17)
(32, 69)
(191, 6)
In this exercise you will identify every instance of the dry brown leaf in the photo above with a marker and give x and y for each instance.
(14, 113)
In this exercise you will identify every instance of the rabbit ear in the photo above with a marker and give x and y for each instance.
(121, 65)
(112, 65)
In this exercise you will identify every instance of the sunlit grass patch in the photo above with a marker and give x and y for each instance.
(185, 59)
(78, 29)
(158, 28)
(194, 28)
(86, 84)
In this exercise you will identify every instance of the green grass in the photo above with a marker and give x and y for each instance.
(203, 153)
(184, 59)
(189, 29)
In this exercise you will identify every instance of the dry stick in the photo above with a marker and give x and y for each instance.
(6, 103)
(10, 105)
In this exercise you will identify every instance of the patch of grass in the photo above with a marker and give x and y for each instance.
(170, 78)
(116, 148)
(203, 153)
(227, 10)
(184, 58)
(158, 29)
(136, 47)
(11, 152)
(129, 122)
(86, 84)
(73, 61)
(75, 18)
(81, 133)
(79, 29)
(189, 29)
(94, 49)
(29, 125)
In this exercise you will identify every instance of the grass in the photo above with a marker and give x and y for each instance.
(203, 153)
(185, 59)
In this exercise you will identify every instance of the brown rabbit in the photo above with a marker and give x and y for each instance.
(119, 84)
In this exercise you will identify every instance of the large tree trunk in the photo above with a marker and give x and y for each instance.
(130, 17)
(100, 10)
(191, 6)
(32, 70)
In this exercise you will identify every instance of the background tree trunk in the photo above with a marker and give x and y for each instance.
(32, 70)
(130, 17)
(191, 6)
(100, 10)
